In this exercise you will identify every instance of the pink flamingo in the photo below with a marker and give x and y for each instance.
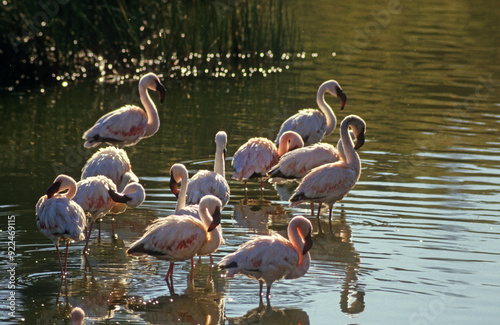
(255, 157)
(329, 183)
(310, 123)
(129, 124)
(271, 258)
(179, 173)
(206, 182)
(60, 218)
(97, 195)
(112, 163)
(176, 238)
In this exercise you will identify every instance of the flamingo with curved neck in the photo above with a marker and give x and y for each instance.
(331, 182)
(311, 124)
(271, 258)
(129, 124)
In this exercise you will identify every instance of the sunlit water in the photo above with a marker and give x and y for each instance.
(415, 242)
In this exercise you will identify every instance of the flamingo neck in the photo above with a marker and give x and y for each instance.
(205, 216)
(296, 240)
(331, 119)
(181, 201)
(351, 156)
(219, 164)
(152, 113)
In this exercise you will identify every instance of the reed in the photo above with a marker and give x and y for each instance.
(70, 39)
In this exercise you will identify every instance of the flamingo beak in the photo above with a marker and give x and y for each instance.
(215, 219)
(308, 243)
(360, 140)
(161, 90)
(53, 189)
(117, 197)
(343, 97)
(173, 186)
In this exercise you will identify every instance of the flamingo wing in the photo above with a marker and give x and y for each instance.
(110, 162)
(125, 126)
(326, 183)
(92, 195)
(60, 217)
(173, 238)
(207, 182)
(254, 158)
(309, 123)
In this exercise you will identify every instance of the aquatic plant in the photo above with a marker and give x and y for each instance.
(60, 39)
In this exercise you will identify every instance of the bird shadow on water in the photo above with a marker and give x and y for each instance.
(335, 245)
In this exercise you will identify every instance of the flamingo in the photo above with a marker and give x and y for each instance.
(97, 195)
(129, 124)
(271, 258)
(329, 183)
(310, 123)
(78, 316)
(180, 237)
(59, 217)
(255, 157)
(297, 163)
(207, 182)
(112, 163)
(179, 173)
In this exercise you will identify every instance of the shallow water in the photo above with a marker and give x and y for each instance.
(415, 242)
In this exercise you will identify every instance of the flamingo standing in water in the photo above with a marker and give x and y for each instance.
(179, 173)
(255, 157)
(129, 124)
(329, 183)
(59, 217)
(271, 258)
(206, 182)
(180, 237)
(112, 163)
(97, 195)
(310, 123)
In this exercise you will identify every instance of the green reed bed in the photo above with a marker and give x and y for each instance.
(51, 40)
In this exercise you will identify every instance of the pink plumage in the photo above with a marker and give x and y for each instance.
(329, 183)
(176, 238)
(128, 125)
(271, 258)
(311, 124)
(60, 218)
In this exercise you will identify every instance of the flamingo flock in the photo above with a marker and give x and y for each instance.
(325, 174)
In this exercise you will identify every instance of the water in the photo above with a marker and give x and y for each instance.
(415, 242)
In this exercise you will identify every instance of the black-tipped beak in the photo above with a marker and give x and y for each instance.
(360, 140)
(173, 186)
(342, 96)
(118, 198)
(215, 219)
(308, 243)
(53, 189)
(161, 90)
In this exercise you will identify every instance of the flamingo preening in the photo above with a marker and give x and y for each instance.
(329, 183)
(271, 258)
(129, 124)
(311, 124)
(59, 217)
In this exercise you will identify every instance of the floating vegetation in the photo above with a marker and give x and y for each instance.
(57, 40)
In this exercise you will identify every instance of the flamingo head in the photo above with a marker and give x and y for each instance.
(173, 184)
(307, 243)
(54, 188)
(151, 81)
(215, 219)
(333, 87)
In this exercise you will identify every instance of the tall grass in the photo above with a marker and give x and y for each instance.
(68, 39)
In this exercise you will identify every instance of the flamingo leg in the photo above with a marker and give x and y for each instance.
(312, 208)
(261, 189)
(319, 222)
(211, 262)
(191, 275)
(261, 284)
(268, 294)
(330, 216)
(88, 237)
(66, 258)
(113, 224)
(99, 235)
(245, 190)
(59, 258)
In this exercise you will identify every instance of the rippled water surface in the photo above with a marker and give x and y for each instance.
(415, 242)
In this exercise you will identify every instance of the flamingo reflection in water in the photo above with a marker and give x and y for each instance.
(271, 315)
